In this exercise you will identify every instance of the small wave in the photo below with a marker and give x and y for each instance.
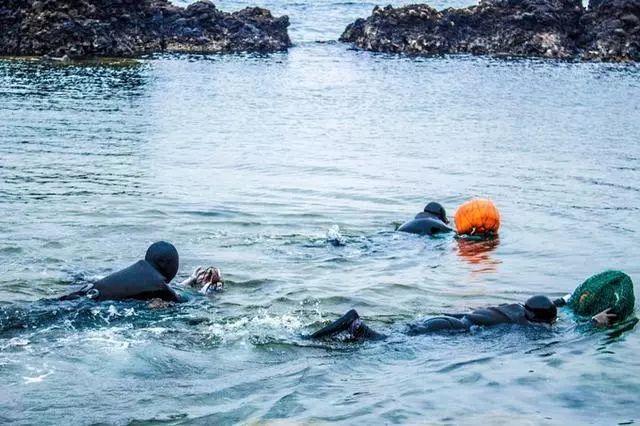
(11, 250)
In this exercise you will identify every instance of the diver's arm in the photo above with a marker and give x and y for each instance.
(441, 227)
(188, 282)
(193, 278)
(561, 301)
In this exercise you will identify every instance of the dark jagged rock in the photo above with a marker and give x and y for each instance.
(612, 30)
(548, 28)
(508, 27)
(127, 28)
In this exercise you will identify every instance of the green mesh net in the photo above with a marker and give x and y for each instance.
(609, 289)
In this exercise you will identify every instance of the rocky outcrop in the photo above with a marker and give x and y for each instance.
(547, 28)
(612, 30)
(129, 28)
(509, 27)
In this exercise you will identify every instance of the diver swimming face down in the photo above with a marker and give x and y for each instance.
(537, 310)
(540, 309)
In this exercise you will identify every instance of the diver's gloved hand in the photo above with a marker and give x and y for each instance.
(562, 301)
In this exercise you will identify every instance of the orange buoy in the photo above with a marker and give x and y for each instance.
(478, 216)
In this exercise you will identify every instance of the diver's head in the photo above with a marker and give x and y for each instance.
(164, 257)
(540, 309)
(437, 210)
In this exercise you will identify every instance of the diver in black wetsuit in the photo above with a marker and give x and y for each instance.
(537, 310)
(148, 279)
(432, 220)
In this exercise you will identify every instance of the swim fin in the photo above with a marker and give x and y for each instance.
(341, 324)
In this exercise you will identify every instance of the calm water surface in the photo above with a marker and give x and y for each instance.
(290, 172)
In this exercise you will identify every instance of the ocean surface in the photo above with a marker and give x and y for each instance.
(291, 172)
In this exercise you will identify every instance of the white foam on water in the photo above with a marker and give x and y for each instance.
(334, 235)
(263, 322)
(157, 331)
(112, 312)
(107, 339)
(15, 342)
(38, 374)
(37, 379)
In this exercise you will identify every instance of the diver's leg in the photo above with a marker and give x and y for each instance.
(352, 323)
(431, 325)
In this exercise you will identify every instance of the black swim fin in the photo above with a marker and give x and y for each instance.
(341, 324)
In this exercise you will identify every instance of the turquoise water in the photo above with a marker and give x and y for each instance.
(290, 173)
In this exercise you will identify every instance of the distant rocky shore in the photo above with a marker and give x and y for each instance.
(129, 28)
(608, 30)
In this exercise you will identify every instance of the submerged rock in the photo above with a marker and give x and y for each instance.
(612, 30)
(126, 28)
(546, 28)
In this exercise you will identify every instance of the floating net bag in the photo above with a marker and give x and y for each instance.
(609, 289)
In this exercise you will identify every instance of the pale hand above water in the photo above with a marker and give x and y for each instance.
(604, 318)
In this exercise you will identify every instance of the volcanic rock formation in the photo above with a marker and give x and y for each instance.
(608, 30)
(128, 28)
(612, 30)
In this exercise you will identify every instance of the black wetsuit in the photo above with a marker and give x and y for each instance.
(144, 280)
(425, 223)
(514, 313)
